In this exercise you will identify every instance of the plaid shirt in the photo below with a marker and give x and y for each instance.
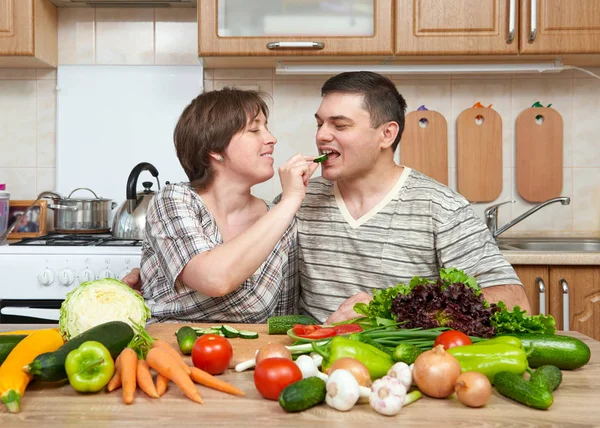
(179, 226)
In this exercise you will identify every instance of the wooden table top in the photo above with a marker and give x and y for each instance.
(576, 402)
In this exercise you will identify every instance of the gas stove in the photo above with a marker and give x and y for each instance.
(49, 266)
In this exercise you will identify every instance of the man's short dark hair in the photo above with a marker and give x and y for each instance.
(381, 99)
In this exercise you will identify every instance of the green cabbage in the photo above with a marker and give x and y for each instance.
(100, 301)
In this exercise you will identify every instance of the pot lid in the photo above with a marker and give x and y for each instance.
(95, 198)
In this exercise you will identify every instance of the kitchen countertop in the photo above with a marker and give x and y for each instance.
(60, 406)
(523, 257)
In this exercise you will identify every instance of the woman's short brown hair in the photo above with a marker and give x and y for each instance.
(207, 126)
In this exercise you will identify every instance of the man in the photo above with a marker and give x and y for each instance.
(370, 223)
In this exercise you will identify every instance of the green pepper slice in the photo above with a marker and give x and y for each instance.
(89, 367)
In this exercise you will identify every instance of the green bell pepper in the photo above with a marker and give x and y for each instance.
(89, 367)
(507, 340)
(491, 359)
(377, 362)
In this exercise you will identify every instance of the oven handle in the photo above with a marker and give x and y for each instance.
(41, 313)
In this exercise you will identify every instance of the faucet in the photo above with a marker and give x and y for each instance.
(491, 214)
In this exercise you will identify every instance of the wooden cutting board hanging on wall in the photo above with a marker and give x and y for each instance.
(424, 144)
(539, 154)
(479, 154)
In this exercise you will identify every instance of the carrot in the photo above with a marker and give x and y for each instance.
(174, 354)
(115, 381)
(144, 379)
(129, 362)
(161, 361)
(206, 379)
(161, 384)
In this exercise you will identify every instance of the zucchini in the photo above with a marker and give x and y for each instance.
(564, 352)
(50, 366)
(7, 344)
(282, 323)
(186, 337)
(549, 377)
(516, 388)
(247, 334)
(302, 395)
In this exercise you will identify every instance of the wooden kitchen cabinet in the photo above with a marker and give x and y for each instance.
(456, 27)
(560, 27)
(571, 294)
(535, 281)
(254, 30)
(28, 34)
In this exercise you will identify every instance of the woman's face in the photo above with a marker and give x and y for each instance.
(249, 156)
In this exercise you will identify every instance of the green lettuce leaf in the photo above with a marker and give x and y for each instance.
(517, 321)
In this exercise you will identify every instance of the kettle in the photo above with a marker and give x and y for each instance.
(130, 219)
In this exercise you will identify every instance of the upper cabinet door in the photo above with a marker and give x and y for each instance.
(560, 26)
(456, 27)
(16, 27)
(294, 27)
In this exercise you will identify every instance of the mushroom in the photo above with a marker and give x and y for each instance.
(403, 373)
(387, 395)
(343, 390)
(309, 368)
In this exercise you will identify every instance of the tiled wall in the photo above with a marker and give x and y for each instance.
(168, 36)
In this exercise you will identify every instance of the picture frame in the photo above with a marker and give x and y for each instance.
(33, 224)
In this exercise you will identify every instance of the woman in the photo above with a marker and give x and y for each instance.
(212, 251)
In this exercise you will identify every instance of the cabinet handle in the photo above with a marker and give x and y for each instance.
(565, 290)
(542, 288)
(511, 21)
(533, 32)
(295, 45)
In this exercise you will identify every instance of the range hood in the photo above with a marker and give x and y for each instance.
(125, 3)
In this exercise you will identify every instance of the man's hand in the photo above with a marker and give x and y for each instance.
(133, 279)
(511, 295)
(346, 311)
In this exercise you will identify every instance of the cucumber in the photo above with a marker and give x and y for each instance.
(516, 388)
(302, 395)
(282, 323)
(50, 367)
(549, 377)
(247, 334)
(186, 337)
(7, 344)
(321, 158)
(229, 331)
(564, 352)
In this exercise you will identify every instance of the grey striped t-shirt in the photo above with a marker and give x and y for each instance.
(418, 228)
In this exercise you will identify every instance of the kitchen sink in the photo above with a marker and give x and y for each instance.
(559, 245)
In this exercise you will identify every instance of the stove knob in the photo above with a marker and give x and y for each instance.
(46, 277)
(105, 273)
(66, 277)
(86, 275)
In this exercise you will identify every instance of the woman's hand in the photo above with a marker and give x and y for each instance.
(294, 176)
(133, 279)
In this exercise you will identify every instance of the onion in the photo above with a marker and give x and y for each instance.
(435, 372)
(273, 350)
(355, 367)
(473, 389)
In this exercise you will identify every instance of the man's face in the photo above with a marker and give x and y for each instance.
(344, 131)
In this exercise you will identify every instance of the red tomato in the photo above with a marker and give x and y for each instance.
(452, 338)
(272, 375)
(347, 328)
(212, 353)
(320, 333)
(300, 329)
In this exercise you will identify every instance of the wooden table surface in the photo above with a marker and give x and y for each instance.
(576, 402)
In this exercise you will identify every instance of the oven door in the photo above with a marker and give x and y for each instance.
(29, 311)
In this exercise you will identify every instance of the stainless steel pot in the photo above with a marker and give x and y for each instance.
(82, 215)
